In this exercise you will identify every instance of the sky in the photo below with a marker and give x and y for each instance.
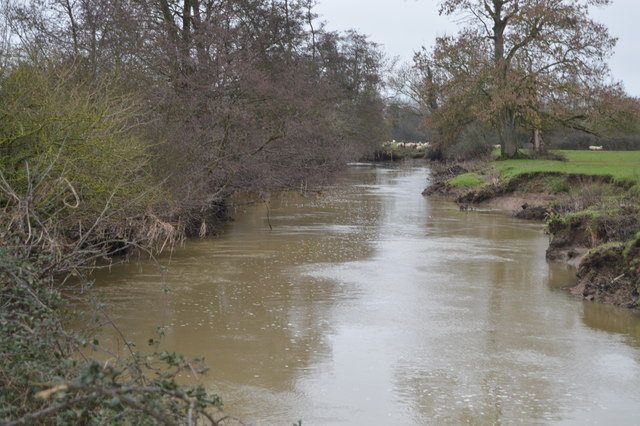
(403, 26)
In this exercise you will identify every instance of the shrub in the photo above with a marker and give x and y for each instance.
(74, 180)
(79, 132)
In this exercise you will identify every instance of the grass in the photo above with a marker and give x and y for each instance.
(621, 165)
(467, 180)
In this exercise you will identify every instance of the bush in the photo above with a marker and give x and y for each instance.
(79, 132)
(74, 181)
(468, 149)
(74, 188)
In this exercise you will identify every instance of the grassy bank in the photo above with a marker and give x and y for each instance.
(591, 202)
(622, 166)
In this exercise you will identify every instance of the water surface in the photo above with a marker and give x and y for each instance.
(371, 304)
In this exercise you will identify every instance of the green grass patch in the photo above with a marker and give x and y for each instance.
(569, 219)
(467, 180)
(621, 165)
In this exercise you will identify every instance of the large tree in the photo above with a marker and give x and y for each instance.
(517, 65)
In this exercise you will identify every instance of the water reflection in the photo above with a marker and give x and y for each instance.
(373, 305)
(612, 320)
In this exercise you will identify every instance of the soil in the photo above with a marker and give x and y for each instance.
(604, 276)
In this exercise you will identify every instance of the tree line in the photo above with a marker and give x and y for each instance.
(197, 98)
(516, 71)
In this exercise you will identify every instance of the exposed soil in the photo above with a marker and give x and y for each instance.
(606, 275)
(603, 248)
(508, 197)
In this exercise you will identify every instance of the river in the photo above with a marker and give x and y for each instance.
(370, 304)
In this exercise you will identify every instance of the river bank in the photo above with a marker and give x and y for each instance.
(593, 219)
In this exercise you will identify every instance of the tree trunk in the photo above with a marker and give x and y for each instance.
(507, 118)
(172, 44)
(74, 27)
(538, 141)
(507, 132)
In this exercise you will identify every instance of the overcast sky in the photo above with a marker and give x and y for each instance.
(402, 26)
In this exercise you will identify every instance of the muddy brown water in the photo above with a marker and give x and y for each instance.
(372, 305)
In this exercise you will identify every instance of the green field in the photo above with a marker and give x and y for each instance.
(467, 180)
(621, 165)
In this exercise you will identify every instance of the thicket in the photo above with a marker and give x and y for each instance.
(228, 94)
(127, 125)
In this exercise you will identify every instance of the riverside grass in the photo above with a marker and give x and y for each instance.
(622, 166)
(467, 180)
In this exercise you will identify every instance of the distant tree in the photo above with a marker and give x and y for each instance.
(518, 64)
(350, 67)
(404, 122)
